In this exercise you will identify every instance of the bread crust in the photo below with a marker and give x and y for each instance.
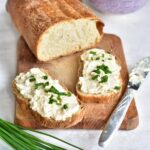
(43, 121)
(34, 18)
(96, 98)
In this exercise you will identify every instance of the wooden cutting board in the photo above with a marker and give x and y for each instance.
(65, 69)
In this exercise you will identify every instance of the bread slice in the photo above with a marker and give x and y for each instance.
(106, 97)
(54, 28)
(47, 122)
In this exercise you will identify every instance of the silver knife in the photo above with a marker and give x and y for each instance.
(136, 77)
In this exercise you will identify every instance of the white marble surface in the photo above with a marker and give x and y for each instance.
(134, 30)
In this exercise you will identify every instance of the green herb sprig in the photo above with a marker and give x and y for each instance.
(58, 101)
(93, 52)
(65, 106)
(45, 77)
(117, 87)
(52, 100)
(104, 68)
(55, 91)
(18, 139)
(98, 70)
(104, 79)
(32, 78)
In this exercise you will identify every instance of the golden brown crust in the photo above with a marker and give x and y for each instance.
(33, 18)
(43, 121)
(96, 98)
(91, 98)
(51, 123)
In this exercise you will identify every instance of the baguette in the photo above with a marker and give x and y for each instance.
(54, 28)
(48, 120)
(105, 84)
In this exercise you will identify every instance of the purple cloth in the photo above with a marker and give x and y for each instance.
(118, 6)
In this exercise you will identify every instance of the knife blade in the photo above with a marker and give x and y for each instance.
(136, 77)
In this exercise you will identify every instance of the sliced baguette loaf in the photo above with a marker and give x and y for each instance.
(54, 28)
(43, 104)
(99, 77)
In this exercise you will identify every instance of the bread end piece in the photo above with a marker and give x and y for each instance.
(55, 28)
(67, 37)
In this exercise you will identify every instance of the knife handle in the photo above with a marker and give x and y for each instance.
(116, 118)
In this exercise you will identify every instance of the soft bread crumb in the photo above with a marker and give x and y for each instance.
(68, 37)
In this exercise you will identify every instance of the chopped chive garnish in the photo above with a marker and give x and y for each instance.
(65, 94)
(65, 106)
(117, 87)
(104, 79)
(102, 55)
(32, 79)
(51, 100)
(95, 77)
(32, 76)
(58, 97)
(39, 85)
(92, 58)
(45, 77)
(109, 59)
(107, 71)
(46, 90)
(96, 71)
(54, 90)
(58, 102)
(104, 68)
(98, 58)
(92, 52)
(46, 84)
(69, 94)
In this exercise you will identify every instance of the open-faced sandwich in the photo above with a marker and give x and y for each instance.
(99, 77)
(52, 105)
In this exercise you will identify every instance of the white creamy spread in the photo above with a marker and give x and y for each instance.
(46, 96)
(137, 74)
(101, 73)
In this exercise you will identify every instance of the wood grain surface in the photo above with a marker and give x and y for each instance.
(65, 69)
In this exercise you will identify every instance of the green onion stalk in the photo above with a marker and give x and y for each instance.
(18, 139)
